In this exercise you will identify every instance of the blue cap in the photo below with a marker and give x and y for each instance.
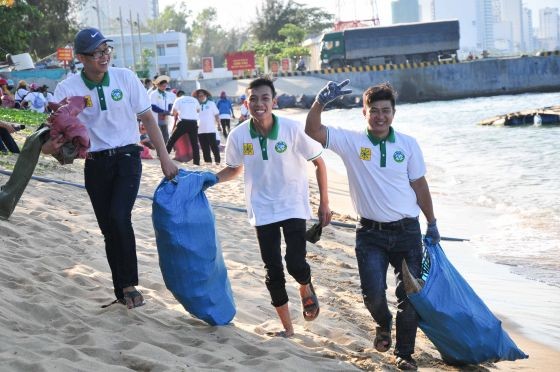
(242, 97)
(87, 40)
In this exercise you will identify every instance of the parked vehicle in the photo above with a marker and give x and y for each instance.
(401, 43)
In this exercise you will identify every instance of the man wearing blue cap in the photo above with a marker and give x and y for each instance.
(115, 98)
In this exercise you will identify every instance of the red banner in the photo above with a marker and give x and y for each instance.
(237, 61)
(64, 54)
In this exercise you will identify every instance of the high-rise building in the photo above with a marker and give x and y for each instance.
(511, 14)
(466, 13)
(486, 19)
(405, 11)
(528, 32)
(549, 29)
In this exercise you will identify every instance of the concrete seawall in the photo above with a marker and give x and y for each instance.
(485, 77)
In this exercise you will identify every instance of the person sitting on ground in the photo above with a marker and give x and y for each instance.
(388, 190)
(6, 97)
(273, 153)
(226, 113)
(35, 100)
(21, 92)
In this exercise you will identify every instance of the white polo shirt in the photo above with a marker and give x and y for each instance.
(161, 100)
(187, 107)
(276, 186)
(112, 106)
(379, 172)
(207, 117)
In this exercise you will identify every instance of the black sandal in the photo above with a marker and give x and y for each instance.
(134, 299)
(406, 363)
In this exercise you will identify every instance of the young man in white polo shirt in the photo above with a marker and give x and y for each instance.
(114, 99)
(387, 186)
(274, 152)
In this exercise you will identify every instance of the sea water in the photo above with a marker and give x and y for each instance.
(509, 175)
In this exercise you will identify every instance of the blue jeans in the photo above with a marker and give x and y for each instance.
(269, 243)
(112, 184)
(375, 250)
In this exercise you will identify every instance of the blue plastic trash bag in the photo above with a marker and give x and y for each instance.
(190, 256)
(456, 320)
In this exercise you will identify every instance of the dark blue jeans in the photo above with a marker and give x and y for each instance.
(375, 250)
(112, 184)
(269, 243)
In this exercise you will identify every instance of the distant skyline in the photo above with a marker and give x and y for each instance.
(233, 13)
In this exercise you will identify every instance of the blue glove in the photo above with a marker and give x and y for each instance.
(210, 179)
(332, 91)
(432, 233)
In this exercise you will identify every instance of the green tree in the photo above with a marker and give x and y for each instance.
(209, 39)
(55, 29)
(275, 14)
(15, 38)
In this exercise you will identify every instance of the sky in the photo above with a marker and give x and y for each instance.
(232, 13)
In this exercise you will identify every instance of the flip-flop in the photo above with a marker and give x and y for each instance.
(406, 364)
(134, 299)
(310, 305)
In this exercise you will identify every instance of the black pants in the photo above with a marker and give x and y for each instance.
(112, 184)
(225, 126)
(7, 142)
(271, 254)
(183, 127)
(208, 143)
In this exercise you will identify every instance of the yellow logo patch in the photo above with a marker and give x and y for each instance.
(248, 149)
(89, 102)
(365, 153)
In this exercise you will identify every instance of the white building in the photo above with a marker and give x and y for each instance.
(528, 34)
(549, 29)
(169, 49)
(466, 13)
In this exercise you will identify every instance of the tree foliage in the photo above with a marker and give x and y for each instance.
(275, 14)
(55, 29)
(209, 39)
(15, 38)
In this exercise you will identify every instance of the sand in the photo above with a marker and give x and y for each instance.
(54, 277)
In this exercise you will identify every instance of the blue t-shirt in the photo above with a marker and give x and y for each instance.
(224, 106)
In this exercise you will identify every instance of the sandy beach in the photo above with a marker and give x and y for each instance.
(54, 277)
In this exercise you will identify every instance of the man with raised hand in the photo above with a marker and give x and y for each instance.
(388, 189)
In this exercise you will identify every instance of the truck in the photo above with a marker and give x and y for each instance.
(400, 43)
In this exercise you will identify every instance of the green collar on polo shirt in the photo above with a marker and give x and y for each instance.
(381, 142)
(98, 87)
(376, 141)
(273, 135)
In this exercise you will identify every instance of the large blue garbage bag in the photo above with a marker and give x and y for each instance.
(456, 320)
(190, 256)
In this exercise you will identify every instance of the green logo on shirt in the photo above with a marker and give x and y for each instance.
(116, 94)
(280, 147)
(398, 156)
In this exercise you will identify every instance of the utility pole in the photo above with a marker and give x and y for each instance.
(132, 41)
(140, 40)
(97, 11)
(122, 39)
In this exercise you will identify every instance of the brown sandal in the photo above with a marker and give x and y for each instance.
(382, 341)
